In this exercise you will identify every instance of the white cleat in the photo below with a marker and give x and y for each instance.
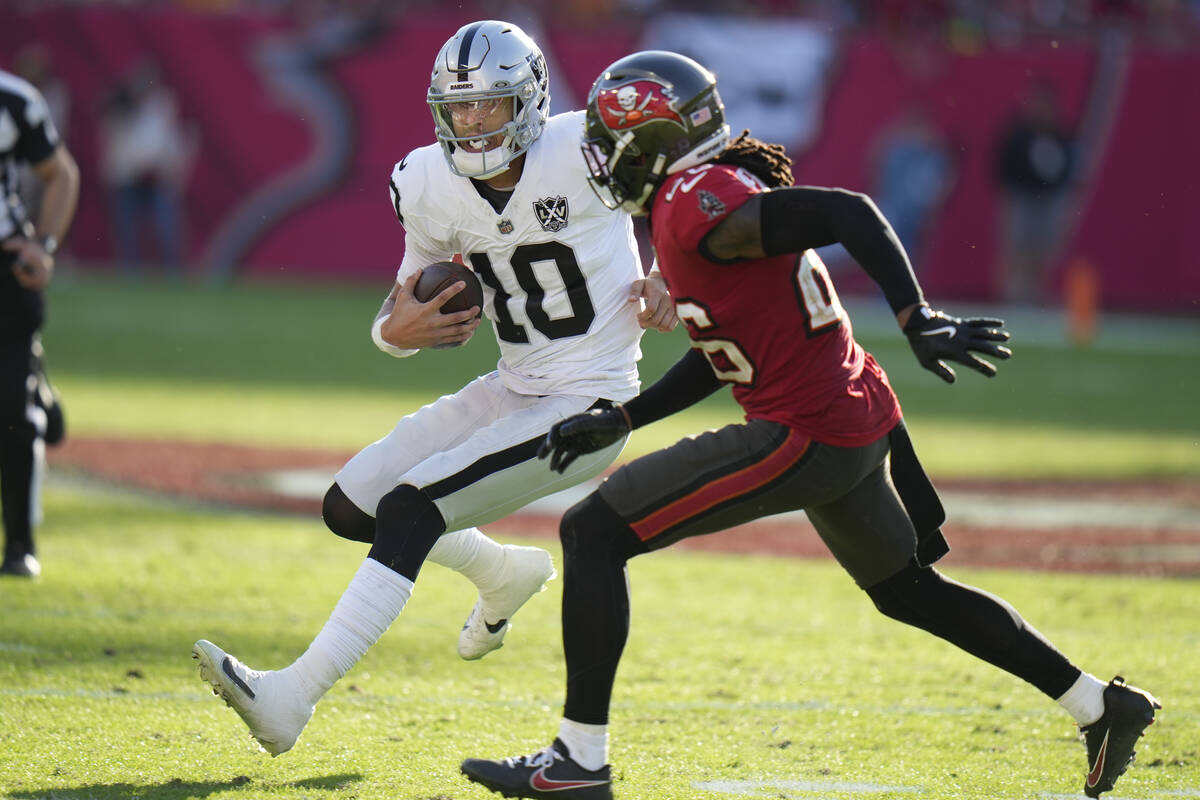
(524, 574)
(270, 703)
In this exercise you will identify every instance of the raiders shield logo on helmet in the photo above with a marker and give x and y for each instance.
(551, 212)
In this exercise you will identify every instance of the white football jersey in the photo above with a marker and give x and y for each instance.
(555, 264)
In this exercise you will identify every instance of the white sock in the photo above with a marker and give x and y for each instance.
(588, 743)
(471, 553)
(375, 597)
(1085, 699)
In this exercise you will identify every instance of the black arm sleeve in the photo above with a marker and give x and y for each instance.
(802, 217)
(688, 382)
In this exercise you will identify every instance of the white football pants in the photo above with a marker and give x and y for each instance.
(474, 453)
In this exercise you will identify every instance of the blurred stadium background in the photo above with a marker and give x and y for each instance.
(208, 329)
(291, 113)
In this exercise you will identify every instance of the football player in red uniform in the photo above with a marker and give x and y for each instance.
(823, 430)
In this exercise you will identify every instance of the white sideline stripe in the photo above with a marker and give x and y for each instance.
(106, 694)
(1041, 512)
(772, 788)
(301, 484)
(1153, 793)
(1048, 327)
(966, 508)
(783, 789)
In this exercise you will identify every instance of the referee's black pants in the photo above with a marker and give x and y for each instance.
(21, 313)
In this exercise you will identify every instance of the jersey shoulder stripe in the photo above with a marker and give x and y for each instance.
(412, 177)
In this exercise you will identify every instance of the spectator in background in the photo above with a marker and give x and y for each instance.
(146, 154)
(912, 172)
(1034, 166)
(34, 65)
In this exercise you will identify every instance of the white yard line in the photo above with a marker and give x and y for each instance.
(778, 788)
(965, 508)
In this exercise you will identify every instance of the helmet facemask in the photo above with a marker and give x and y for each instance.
(620, 174)
(471, 155)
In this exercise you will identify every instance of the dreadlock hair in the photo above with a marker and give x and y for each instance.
(769, 162)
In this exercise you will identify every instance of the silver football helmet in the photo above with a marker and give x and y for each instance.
(482, 67)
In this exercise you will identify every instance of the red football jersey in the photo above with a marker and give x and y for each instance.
(772, 327)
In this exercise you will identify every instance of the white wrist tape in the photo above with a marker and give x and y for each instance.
(390, 349)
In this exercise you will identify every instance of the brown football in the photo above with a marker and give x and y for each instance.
(439, 276)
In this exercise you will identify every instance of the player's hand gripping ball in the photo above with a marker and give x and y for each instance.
(441, 275)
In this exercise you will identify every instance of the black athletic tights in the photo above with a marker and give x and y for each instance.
(983, 624)
(595, 614)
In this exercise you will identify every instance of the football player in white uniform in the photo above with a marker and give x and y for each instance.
(505, 189)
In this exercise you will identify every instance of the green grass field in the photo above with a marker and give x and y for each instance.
(294, 365)
(744, 676)
(739, 670)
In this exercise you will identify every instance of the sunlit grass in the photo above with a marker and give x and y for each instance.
(741, 671)
(293, 365)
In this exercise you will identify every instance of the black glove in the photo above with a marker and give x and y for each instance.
(935, 336)
(583, 433)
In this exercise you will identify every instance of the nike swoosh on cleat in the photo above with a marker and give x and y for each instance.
(1098, 768)
(539, 781)
(227, 668)
(949, 330)
(497, 627)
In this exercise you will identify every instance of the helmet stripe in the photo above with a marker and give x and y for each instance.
(464, 50)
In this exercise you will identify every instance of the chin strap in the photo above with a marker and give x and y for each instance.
(474, 165)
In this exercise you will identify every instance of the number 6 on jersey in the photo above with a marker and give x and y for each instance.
(822, 311)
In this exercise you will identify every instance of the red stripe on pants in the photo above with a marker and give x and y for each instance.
(725, 488)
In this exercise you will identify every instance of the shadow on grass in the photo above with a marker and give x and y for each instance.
(175, 789)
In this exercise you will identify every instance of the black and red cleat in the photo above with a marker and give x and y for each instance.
(1128, 711)
(550, 774)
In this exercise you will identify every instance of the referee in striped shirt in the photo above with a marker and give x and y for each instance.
(27, 247)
